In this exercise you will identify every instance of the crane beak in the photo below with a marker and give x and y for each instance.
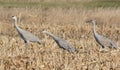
(42, 31)
(12, 16)
(88, 21)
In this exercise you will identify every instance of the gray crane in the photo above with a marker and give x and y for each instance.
(25, 35)
(103, 41)
(61, 43)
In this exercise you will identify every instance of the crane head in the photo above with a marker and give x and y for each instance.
(91, 21)
(44, 31)
(14, 17)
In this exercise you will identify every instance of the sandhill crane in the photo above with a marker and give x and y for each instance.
(61, 43)
(25, 35)
(103, 41)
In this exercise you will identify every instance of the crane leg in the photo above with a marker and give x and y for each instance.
(39, 42)
(103, 46)
(26, 47)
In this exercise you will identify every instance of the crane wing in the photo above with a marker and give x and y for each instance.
(64, 44)
(106, 41)
(28, 36)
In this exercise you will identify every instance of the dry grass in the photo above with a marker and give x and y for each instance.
(65, 23)
(60, 3)
(44, 0)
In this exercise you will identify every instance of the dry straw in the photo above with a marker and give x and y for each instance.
(65, 23)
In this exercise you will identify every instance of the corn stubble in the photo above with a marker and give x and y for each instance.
(65, 23)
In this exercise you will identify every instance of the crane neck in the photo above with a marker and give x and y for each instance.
(94, 31)
(53, 36)
(15, 23)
